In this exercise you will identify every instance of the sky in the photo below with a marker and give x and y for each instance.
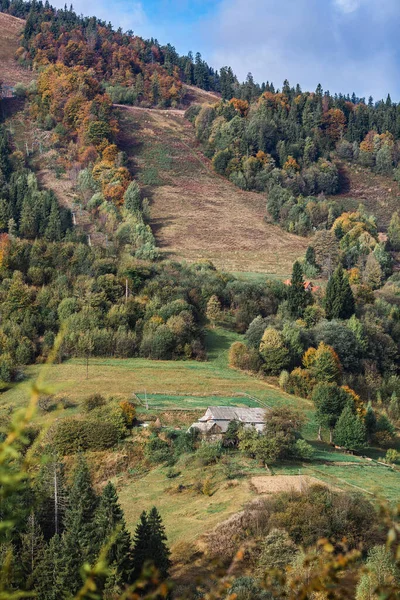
(346, 45)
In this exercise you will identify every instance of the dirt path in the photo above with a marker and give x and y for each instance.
(196, 214)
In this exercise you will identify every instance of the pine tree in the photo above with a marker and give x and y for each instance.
(370, 422)
(132, 198)
(150, 544)
(141, 542)
(80, 528)
(110, 518)
(298, 297)
(32, 549)
(350, 430)
(53, 230)
(159, 550)
(339, 299)
(49, 575)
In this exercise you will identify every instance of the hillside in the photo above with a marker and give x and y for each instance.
(10, 72)
(195, 213)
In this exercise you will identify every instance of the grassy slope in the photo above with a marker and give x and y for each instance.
(10, 72)
(183, 384)
(380, 195)
(197, 214)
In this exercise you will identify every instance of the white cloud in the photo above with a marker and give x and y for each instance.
(347, 6)
(310, 42)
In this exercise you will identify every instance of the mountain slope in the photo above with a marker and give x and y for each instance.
(196, 214)
(10, 72)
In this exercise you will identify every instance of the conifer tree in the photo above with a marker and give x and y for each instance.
(80, 528)
(298, 297)
(141, 545)
(53, 230)
(32, 549)
(49, 575)
(132, 198)
(350, 430)
(339, 299)
(110, 520)
(158, 546)
(150, 544)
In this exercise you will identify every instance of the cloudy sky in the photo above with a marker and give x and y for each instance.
(346, 45)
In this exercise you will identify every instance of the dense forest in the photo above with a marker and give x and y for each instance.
(333, 344)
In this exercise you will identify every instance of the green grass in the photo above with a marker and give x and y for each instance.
(171, 384)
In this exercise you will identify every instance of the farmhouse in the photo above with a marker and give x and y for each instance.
(217, 418)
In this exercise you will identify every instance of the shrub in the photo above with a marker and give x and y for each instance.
(301, 383)
(244, 358)
(71, 435)
(392, 456)
(128, 411)
(92, 402)
(157, 450)
(209, 453)
(303, 450)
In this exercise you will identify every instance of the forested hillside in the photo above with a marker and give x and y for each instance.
(171, 240)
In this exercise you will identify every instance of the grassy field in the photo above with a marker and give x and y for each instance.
(167, 384)
(196, 214)
(189, 512)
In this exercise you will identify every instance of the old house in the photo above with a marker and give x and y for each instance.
(216, 420)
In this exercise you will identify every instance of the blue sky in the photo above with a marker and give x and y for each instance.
(346, 45)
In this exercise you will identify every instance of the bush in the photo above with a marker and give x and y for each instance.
(392, 456)
(92, 402)
(244, 358)
(157, 450)
(128, 412)
(303, 450)
(209, 453)
(71, 435)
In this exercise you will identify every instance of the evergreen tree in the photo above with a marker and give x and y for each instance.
(150, 544)
(158, 547)
(50, 573)
(132, 201)
(110, 520)
(350, 430)
(298, 297)
(32, 550)
(80, 528)
(141, 545)
(370, 422)
(339, 299)
(53, 230)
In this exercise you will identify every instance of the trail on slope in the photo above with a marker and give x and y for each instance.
(195, 213)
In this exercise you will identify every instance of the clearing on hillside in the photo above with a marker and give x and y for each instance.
(195, 213)
(10, 72)
(379, 194)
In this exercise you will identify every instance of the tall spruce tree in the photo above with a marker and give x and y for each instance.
(53, 230)
(339, 299)
(79, 538)
(350, 430)
(298, 296)
(158, 543)
(150, 544)
(110, 520)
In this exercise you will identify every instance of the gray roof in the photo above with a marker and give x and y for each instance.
(232, 413)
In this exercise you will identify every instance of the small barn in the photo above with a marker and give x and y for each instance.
(216, 420)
